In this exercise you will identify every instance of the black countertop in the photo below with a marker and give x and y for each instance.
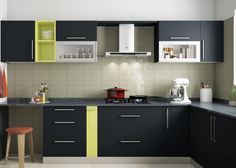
(218, 107)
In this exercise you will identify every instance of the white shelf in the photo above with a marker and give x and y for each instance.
(76, 51)
(182, 51)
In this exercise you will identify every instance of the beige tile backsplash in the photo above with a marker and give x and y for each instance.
(89, 80)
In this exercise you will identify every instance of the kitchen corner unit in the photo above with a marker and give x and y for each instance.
(45, 41)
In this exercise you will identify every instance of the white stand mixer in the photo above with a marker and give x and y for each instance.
(178, 92)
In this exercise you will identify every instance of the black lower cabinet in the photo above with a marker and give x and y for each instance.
(143, 131)
(202, 149)
(225, 138)
(175, 136)
(4, 117)
(64, 131)
(65, 144)
(212, 139)
(130, 131)
(129, 144)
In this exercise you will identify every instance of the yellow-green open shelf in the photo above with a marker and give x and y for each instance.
(45, 50)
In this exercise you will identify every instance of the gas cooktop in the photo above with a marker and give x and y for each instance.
(136, 99)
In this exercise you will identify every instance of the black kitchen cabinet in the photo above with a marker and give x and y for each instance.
(64, 131)
(76, 31)
(17, 41)
(143, 131)
(209, 33)
(176, 131)
(130, 131)
(179, 31)
(212, 139)
(201, 136)
(212, 41)
(4, 117)
(225, 138)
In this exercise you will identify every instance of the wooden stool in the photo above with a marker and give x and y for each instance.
(20, 132)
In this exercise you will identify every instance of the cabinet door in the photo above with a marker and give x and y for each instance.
(225, 139)
(76, 31)
(17, 41)
(201, 145)
(176, 131)
(179, 30)
(212, 36)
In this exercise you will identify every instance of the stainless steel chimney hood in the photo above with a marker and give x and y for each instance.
(126, 43)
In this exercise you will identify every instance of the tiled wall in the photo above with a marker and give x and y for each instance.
(139, 76)
(90, 80)
(224, 71)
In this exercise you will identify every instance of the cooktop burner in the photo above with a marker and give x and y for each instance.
(137, 99)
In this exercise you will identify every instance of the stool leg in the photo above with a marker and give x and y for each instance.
(8, 147)
(21, 149)
(31, 146)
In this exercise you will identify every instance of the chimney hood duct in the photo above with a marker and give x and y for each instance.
(126, 43)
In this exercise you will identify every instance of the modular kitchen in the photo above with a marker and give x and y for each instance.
(146, 84)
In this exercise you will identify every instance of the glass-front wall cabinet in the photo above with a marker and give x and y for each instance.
(179, 51)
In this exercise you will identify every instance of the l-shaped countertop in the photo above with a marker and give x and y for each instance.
(217, 107)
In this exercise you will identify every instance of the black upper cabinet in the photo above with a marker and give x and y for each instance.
(176, 131)
(179, 30)
(17, 41)
(76, 31)
(210, 33)
(212, 36)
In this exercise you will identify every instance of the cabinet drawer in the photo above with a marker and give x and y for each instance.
(57, 112)
(130, 118)
(76, 31)
(64, 144)
(129, 144)
(179, 30)
(65, 124)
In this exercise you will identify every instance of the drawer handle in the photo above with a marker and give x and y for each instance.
(129, 116)
(130, 142)
(180, 38)
(76, 38)
(64, 142)
(64, 122)
(64, 109)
